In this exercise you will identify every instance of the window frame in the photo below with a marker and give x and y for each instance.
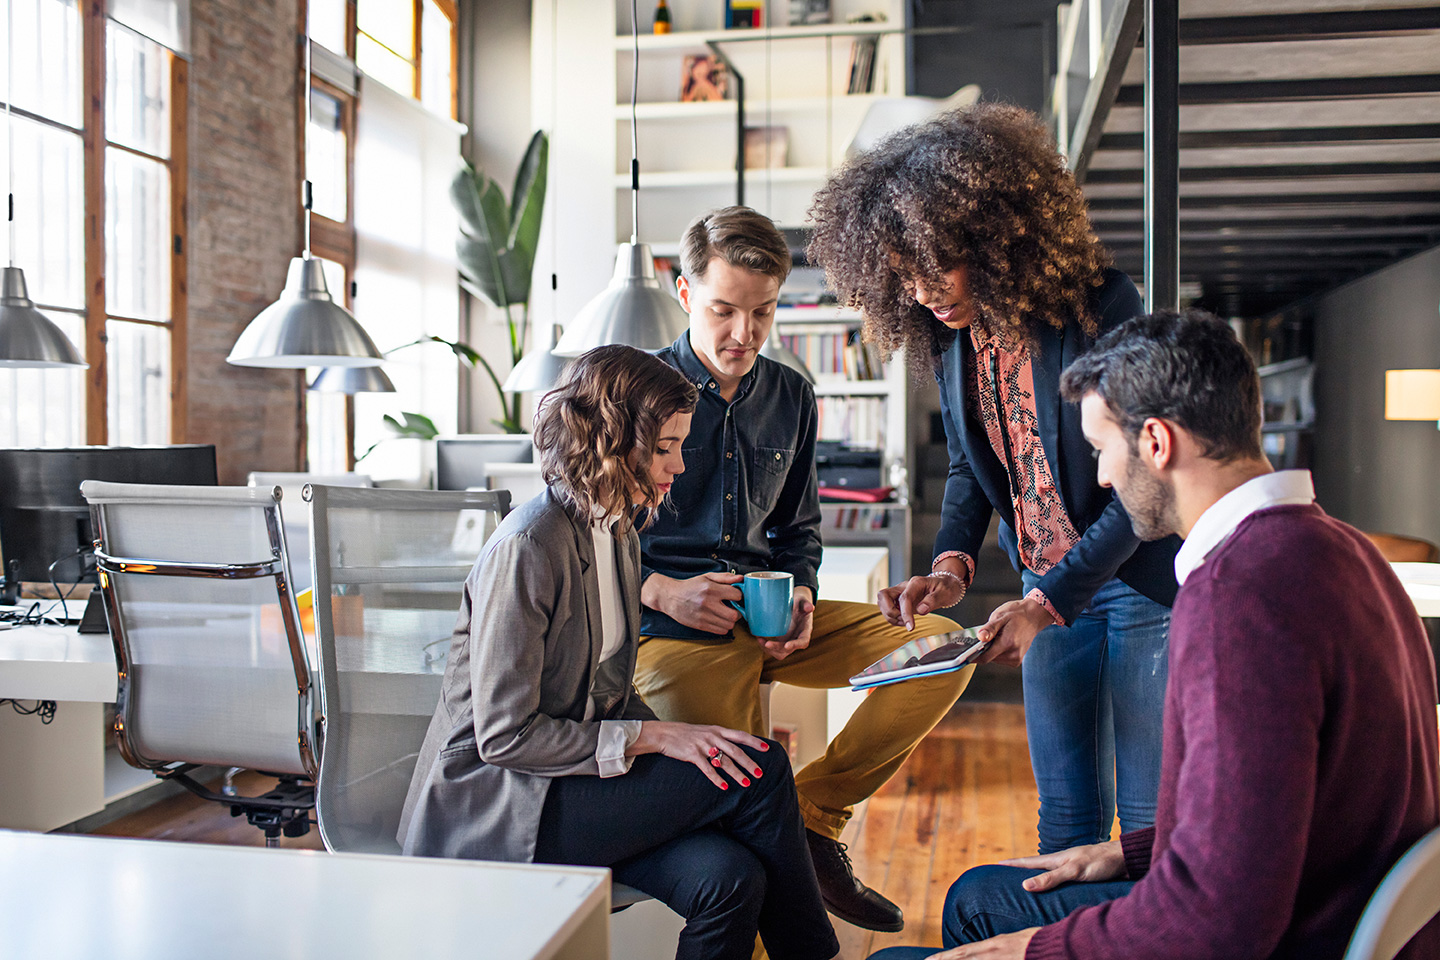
(94, 145)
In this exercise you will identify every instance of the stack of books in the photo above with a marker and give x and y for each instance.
(862, 64)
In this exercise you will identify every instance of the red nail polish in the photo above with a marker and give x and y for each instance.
(764, 746)
(757, 773)
(744, 782)
(724, 786)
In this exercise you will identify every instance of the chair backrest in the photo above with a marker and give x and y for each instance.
(197, 590)
(296, 513)
(390, 566)
(1406, 900)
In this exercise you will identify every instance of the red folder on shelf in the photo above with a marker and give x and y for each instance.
(858, 494)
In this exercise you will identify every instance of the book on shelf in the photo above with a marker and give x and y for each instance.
(836, 353)
(859, 518)
(858, 422)
(862, 64)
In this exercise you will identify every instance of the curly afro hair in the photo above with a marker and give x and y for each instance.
(982, 187)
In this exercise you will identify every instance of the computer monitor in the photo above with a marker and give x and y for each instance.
(461, 462)
(43, 518)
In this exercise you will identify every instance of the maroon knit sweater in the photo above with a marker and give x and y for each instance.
(1299, 757)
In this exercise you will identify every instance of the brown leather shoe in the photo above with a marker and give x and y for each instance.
(844, 895)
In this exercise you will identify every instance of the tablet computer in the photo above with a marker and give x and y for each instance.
(922, 657)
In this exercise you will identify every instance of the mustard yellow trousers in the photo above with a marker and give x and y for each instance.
(719, 682)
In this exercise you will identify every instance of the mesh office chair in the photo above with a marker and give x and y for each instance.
(390, 566)
(1406, 900)
(213, 670)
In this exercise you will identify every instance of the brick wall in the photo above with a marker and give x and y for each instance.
(244, 226)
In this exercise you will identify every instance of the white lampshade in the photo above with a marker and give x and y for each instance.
(351, 380)
(28, 338)
(633, 309)
(1412, 395)
(305, 328)
(539, 369)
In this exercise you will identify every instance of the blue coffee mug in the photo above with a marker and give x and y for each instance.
(766, 603)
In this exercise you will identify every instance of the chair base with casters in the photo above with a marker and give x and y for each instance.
(1406, 900)
(284, 810)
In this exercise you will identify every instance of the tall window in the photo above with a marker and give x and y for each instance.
(97, 143)
(408, 46)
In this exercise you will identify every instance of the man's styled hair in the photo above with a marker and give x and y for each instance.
(1187, 368)
(596, 432)
(739, 236)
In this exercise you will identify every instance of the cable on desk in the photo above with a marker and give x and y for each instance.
(44, 709)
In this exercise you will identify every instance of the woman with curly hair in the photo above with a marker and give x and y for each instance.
(541, 750)
(965, 241)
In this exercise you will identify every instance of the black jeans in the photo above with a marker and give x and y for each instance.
(730, 862)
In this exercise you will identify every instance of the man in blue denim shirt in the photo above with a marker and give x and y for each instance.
(747, 501)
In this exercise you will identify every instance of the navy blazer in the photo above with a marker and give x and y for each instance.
(977, 483)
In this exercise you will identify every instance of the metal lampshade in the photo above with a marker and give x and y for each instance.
(28, 338)
(305, 328)
(540, 370)
(777, 351)
(633, 309)
(352, 380)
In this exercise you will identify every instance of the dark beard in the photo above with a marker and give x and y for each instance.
(1149, 501)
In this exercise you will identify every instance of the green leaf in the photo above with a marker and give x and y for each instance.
(412, 424)
(527, 202)
(484, 232)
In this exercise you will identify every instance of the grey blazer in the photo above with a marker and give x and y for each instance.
(522, 665)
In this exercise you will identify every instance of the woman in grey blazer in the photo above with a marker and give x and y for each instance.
(541, 750)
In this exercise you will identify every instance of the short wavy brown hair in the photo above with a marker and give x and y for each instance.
(983, 187)
(597, 431)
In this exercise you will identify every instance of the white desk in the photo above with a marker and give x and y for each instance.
(1422, 582)
(77, 898)
(53, 774)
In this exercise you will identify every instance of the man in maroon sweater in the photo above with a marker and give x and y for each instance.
(1300, 731)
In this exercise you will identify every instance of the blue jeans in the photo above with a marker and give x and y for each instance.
(988, 901)
(1094, 699)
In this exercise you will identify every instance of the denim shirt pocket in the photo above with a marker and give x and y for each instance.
(772, 466)
(700, 461)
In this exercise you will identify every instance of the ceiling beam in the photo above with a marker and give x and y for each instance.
(1207, 139)
(1316, 25)
(1104, 220)
(1105, 84)
(1287, 91)
(1192, 201)
(1278, 171)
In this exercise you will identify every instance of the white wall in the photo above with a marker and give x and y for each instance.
(1376, 474)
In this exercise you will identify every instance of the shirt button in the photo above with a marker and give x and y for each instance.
(729, 497)
(728, 454)
(714, 556)
(777, 456)
(712, 384)
(727, 538)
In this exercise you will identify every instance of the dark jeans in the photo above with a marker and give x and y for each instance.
(1094, 699)
(730, 862)
(988, 901)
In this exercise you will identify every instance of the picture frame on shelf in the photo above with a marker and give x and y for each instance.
(703, 78)
(805, 13)
(767, 147)
(744, 14)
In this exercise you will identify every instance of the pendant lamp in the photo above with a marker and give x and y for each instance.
(28, 338)
(537, 371)
(351, 380)
(305, 327)
(634, 309)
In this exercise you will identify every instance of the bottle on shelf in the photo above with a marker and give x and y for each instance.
(662, 18)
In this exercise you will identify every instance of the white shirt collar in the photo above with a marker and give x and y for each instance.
(1283, 487)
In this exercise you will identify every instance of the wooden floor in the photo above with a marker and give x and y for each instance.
(965, 797)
